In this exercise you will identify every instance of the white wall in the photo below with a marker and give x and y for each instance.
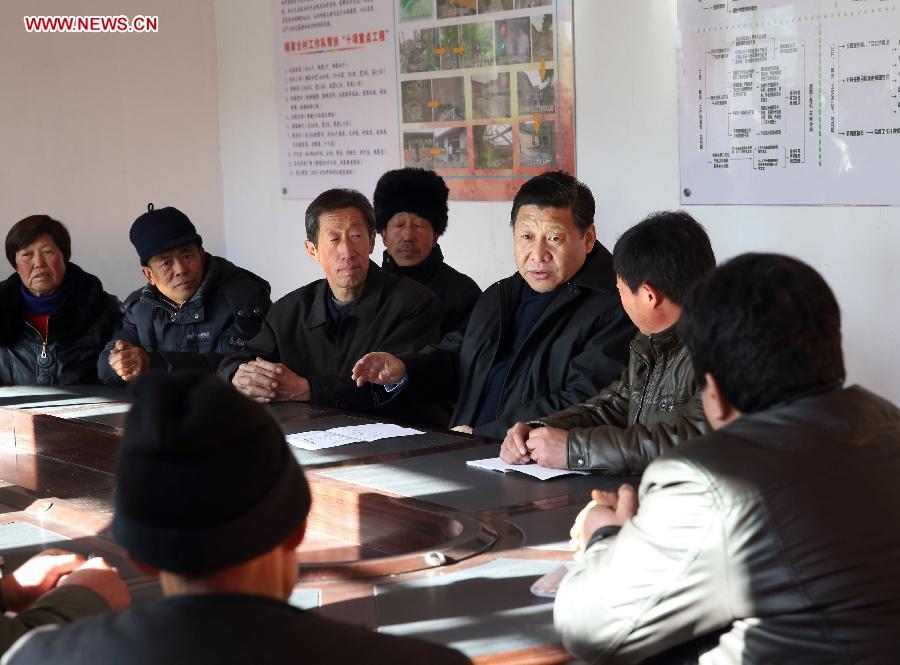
(264, 232)
(627, 153)
(93, 126)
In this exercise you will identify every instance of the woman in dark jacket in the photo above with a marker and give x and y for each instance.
(55, 316)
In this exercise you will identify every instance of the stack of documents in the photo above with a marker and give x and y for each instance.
(341, 436)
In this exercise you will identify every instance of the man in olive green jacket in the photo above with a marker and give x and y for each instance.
(656, 403)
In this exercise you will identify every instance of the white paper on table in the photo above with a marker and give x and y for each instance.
(373, 432)
(534, 470)
(318, 440)
(341, 436)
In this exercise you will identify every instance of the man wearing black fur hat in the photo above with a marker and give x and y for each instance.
(195, 309)
(411, 214)
(209, 497)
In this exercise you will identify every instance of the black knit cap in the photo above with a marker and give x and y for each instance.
(158, 230)
(420, 191)
(204, 477)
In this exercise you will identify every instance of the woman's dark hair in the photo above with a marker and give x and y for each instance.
(767, 327)
(26, 231)
(557, 189)
(336, 199)
(668, 250)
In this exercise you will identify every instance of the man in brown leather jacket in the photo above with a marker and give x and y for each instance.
(772, 539)
(655, 404)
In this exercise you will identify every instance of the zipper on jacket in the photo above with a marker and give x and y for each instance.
(44, 340)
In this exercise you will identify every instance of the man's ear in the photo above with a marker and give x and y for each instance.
(718, 409)
(148, 275)
(311, 250)
(651, 295)
(293, 541)
(372, 242)
(590, 237)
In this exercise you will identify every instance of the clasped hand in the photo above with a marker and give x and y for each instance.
(265, 381)
(545, 445)
(604, 509)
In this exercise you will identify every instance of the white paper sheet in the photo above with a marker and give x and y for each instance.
(534, 470)
(341, 436)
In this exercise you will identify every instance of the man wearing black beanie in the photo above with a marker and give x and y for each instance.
(209, 497)
(411, 215)
(195, 309)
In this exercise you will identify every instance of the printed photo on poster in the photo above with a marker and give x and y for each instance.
(453, 145)
(535, 93)
(488, 6)
(456, 8)
(418, 50)
(542, 37)
(513, 41)
(493, 146)
(536, 144)
(478, 41)
(415, 10)
(490, 96)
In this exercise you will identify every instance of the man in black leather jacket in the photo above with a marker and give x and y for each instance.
(772, 539)
(655, 404)
(195, 309)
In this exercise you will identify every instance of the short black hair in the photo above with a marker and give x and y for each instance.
(26, 231)
(668, 250)
(767, 327)
(335, 199)
(557, 189)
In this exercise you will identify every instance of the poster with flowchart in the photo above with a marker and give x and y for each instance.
(789, 103)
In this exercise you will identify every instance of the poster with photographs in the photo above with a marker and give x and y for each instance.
(482, 91)
(487, 91)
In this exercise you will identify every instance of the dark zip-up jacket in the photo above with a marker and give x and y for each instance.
(654, 406)
(393, 314)
(227, 310)
(456, 291)
(76, 332)
(577, 346)
(225, 629)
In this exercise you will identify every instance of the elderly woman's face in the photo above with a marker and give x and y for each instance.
(41, 266)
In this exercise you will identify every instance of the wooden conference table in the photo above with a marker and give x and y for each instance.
(403, 535)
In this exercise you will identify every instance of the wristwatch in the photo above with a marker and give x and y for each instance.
(602, 533)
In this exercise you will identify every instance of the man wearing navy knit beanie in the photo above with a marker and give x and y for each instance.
(411, 215)
(209, 497)
(195, 309)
